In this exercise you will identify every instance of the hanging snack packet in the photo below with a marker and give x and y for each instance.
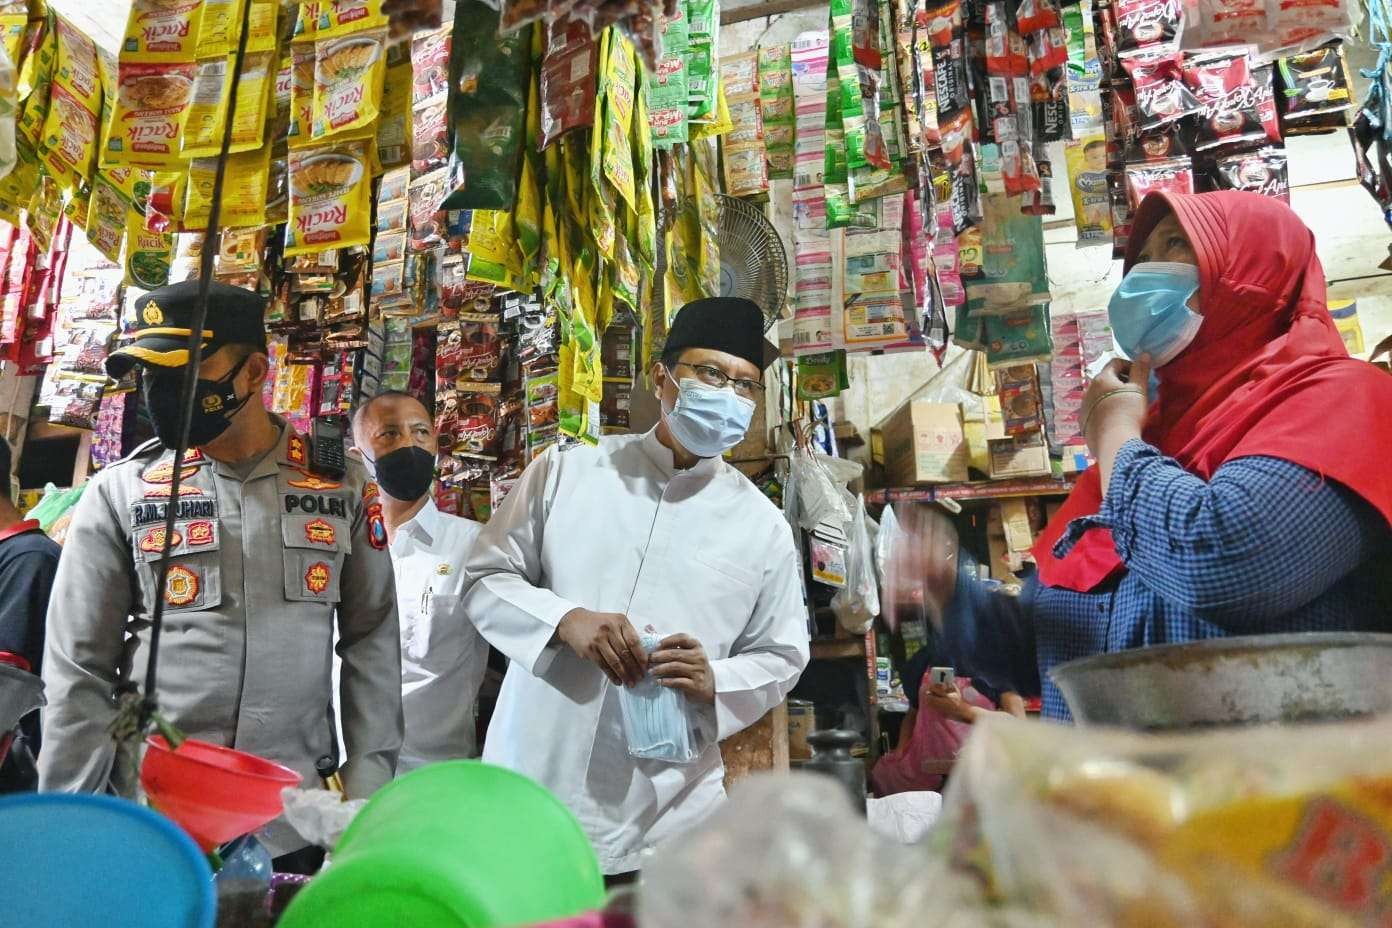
(1262, 172)
(394, 127)
(106, 219)
(1148, 25)
(151, 103)
(220, 27)
(244, 191)
(349, 73)
(148, 254)
(70, 131)
(666, 85)
(427, 220)
(161, 31)
(776, 105)
(164, 210)
(1231, 101)
(487, 105)
(481, 348)
(344, 17)
(1313, 84)
(36, 81)
(207, 110)
(1266, 106)
(620, 81)
(1161, 96)
(430, 136)
(569, 69)
(330, 198)
(301, 95)
(1174, 176)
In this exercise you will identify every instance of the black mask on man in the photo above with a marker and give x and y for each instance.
(406, 473)
(215, 402)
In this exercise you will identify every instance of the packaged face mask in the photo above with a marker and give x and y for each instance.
(655, 718)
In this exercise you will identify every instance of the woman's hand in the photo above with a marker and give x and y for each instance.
(1114, 411)
(946, 700)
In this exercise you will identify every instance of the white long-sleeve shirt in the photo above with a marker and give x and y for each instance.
(618, 528)
(443, 657)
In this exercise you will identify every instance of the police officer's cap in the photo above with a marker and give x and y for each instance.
(163, 318)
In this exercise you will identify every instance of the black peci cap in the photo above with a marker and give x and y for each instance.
(729, 324)
(162, 320)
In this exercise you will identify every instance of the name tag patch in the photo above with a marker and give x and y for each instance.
(148, 512)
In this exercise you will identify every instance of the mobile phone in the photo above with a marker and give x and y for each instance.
(943, 676)
(326, 452)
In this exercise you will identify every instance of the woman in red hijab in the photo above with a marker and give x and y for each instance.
(1244, 476)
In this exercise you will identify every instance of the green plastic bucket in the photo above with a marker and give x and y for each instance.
(460, 843)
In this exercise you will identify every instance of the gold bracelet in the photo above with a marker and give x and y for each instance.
(1106, 396)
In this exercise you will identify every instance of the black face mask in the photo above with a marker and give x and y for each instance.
(214, 404)
(406, 473)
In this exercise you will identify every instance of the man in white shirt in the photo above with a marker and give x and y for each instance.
(443, 658)
(644, 534)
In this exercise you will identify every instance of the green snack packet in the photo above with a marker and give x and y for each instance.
(666, 87)
(1017, 338)
(821, 376)
(487, 105)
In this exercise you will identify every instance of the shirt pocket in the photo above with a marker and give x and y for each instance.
(314, 550)
(194, 580)
(723, 593)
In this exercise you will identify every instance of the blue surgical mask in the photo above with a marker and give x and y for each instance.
(1149, 312)
(708, 421)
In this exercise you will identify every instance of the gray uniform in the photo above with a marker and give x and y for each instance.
(258, 570)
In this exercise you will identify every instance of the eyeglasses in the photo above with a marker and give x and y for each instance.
(715, 377)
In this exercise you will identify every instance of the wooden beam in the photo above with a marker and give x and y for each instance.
(742, 14)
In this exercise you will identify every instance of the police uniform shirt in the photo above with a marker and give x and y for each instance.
(260, 567)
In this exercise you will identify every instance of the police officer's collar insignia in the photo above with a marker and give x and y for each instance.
(309, 481)
(369, 491)
(181, 586)
(376, 526)
(296, 451)
(317, 577)
(319, 532)
(152, 314)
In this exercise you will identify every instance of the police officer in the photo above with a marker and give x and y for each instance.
(266, 553)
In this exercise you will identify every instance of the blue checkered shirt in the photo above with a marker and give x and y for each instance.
(1265, 546)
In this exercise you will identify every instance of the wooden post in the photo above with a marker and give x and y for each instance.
(761, 746)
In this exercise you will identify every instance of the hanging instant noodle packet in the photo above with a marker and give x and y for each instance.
(349, 74)
(330, 198)
(161, 31)
(151, 102)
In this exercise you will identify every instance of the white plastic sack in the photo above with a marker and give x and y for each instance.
(319, 815)
(821, 487)
(904, 818)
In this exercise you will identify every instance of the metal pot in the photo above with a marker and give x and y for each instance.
(1318, 676)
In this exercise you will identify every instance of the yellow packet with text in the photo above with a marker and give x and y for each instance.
(76, 207)
(344, 17)
(161, 31)
(36, 82)
(70, 130)
(349, 75)
(106, 219)
(394, 128)
(151, 103)
(149, 255)
(13, 27)
(330, 197)
(244, 191)
(206, 119)
(220, 27)
(301, 95)
(495, 257)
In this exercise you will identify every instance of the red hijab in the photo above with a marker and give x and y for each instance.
(1267, 375)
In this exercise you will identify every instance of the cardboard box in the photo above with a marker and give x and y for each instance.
(925, 442)
(1023, 456)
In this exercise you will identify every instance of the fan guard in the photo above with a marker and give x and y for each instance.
(753, 263)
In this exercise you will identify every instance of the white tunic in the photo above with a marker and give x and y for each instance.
(619, 529)
(443, 657)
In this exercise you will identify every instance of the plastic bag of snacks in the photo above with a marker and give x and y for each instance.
(1045, 825)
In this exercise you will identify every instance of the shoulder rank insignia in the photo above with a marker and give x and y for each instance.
(317, 577)
(181, 586)
(319, 532)
(297, 451)
(309, 481)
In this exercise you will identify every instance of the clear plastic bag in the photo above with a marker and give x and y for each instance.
(917, 552)
(786, 851)
(857, 604)
(655, 719)
(1046, 825)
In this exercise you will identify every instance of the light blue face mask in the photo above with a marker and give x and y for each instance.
(708, 421)
(1149, 311)
(655, 718)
